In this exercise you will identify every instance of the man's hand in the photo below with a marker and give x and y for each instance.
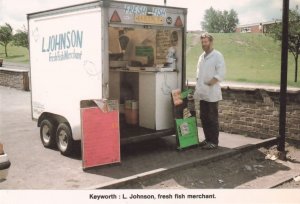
(212, 82)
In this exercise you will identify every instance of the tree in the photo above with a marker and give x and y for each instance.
(230, 20)
(6, 36)
(211, 21)
(21, 38)
(293, 35)
(220, 21)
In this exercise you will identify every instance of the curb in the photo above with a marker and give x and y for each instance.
(192, 163)
(285, 181)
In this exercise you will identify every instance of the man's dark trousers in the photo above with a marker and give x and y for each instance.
(210, 121)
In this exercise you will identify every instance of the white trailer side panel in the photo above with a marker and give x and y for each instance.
(66, 63)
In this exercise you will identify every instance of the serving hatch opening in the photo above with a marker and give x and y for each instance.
(145, 65)
(146, 62)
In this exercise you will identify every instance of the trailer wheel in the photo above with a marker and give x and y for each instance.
(47, 133)
(64, 140)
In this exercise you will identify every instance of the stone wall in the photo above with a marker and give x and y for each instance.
(255, 112)
(18, 79)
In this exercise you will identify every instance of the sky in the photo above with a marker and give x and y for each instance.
(249, 11)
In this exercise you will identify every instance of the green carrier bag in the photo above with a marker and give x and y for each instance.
(187, 132)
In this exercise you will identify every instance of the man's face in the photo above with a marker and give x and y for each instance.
(206, 44)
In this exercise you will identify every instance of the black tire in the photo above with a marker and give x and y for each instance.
(47, 133)
(64, 140)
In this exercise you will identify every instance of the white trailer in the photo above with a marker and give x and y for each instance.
(77, 53)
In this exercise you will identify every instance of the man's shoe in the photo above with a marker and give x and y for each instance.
(203, 143)
(210, 146)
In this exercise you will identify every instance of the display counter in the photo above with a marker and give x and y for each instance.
(152, 89)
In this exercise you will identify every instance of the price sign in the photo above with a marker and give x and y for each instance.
(157, 20)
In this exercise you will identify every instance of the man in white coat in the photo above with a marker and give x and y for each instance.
(210, 72)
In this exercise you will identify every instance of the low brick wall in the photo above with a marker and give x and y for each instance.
(14, 78)
(255, 112)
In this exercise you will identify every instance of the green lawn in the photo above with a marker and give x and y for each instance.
(249, 58)
(15, 54)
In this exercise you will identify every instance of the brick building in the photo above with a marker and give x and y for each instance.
(255, 27)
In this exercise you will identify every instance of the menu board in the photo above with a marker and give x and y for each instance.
(162, 43)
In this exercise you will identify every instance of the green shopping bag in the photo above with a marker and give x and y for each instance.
(187, 132)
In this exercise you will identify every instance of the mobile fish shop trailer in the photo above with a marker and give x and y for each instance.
(133, 53)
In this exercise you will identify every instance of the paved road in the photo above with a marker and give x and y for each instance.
(32, 165)
(249, 170)
(35, 167)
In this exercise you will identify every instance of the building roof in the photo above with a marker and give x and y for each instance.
(256, 24)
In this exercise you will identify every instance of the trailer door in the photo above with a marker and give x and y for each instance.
(100, 133)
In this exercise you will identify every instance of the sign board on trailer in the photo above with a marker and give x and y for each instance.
(185, 120)
(100, 133)
(142, 14)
